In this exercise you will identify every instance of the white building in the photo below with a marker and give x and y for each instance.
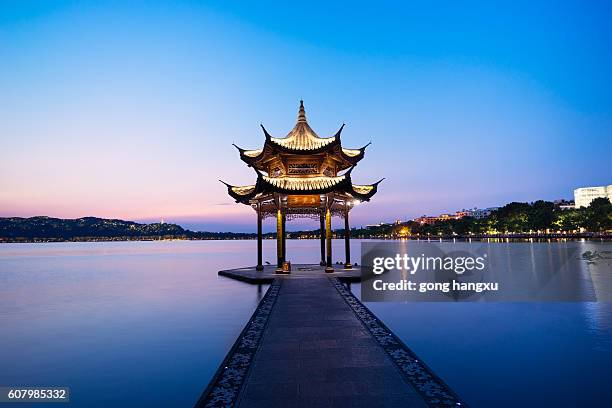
(565, 204)
(583, 196)
(480, 213)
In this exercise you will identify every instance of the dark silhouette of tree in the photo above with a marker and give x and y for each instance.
(540, 215)
(599, 215)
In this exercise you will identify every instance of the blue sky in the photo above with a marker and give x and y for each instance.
(129, 111)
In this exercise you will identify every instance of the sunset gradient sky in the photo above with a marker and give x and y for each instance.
(129, 111)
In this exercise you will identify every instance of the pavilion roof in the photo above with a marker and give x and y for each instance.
(301, 140)
(304, 183)
(302, 137)
(301, 186)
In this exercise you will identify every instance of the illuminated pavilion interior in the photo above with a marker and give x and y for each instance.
(298, 176)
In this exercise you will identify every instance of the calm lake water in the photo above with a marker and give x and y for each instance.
(134, 324)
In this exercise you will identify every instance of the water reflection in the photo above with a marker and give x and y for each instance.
(122, 324)
(146, 324)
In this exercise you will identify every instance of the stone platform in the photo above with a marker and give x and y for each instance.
(311, 342)
(251, 275)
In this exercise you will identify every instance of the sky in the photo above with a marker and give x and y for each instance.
(129, 111)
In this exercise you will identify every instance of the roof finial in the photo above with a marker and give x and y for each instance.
(302, 112)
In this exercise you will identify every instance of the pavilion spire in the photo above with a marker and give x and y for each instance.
(302, 112)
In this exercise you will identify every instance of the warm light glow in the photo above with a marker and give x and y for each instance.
(351, 152)
(253, 153)
(303, 200)
(302, 137)
(404, 232)
(243, 190)
(307, 183)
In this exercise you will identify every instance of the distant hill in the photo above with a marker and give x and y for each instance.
(47, 229)
(16, 229)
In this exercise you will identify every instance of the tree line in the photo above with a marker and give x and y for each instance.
(536, 217)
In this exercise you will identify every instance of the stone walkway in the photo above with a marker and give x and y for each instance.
(315, 352)
(311, 343)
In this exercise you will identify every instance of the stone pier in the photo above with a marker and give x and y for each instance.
(310, 342)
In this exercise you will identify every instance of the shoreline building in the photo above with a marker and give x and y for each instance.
(480, 213)
(565, 204)
(300, 176)
(584, 195)
(477, 213)
(438, 218)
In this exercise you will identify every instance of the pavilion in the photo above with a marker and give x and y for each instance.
(298, 176)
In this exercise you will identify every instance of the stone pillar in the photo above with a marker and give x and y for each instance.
(347, 240)
(279, 238)
(328, 235)
(322, 217)
(259, 266)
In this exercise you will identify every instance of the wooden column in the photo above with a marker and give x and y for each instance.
(347, 240)
(328, 235)
(279, 238)
(259, 266)
(284, 236)
(322, 217)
